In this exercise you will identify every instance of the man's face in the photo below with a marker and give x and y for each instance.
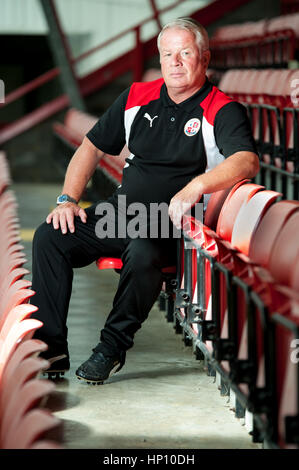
(181, 64)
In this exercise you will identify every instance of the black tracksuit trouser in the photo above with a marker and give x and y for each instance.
(56, 254)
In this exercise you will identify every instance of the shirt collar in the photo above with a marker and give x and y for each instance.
(191, 102)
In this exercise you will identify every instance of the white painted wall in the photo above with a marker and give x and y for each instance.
(88, 23)
(22, 17)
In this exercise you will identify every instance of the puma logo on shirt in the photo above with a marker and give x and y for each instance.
(147, 116)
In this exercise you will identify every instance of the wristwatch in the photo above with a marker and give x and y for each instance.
(65, 198)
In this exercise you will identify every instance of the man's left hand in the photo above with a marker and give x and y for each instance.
(182, 203)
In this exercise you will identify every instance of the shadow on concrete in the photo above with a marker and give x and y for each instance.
(59, 401)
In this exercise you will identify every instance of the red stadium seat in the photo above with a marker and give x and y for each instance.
(285, 251)
(116, 263)
(11, 290)
(12, 382)
(212, 243)
(13, 276)
(284, 22)
(168, 273)
(45, 444)
(75, 127)
(214, 207)
(17, 333)
(249, 217)
(31, 428)
(268, 229)
(26, 349)
(294, 280)
(230, 314)
(16, 315)
(13, 299)
(254, 271)
(240, 194)
(20, 401)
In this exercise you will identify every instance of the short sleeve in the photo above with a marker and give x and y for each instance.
(108, 134)
(233, 131)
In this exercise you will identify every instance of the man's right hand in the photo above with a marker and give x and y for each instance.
(63, 216)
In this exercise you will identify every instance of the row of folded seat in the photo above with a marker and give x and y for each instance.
(268, 42)
(24, 422)
(272, 99)
(237, 297)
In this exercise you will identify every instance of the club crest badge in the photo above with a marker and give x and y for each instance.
(192, 127)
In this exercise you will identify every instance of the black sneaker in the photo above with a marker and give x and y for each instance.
(58, 366)
(100, 367)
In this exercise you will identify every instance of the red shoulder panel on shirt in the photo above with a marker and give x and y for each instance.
(141, 93)
(215, 100)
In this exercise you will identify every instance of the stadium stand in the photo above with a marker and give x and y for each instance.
(233, 295)
(270, 96)
(265, 43)
(23, 421)
(220, 307)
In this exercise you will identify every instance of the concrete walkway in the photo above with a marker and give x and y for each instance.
(161, 399)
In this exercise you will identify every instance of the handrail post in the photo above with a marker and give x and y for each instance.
(156, 13)
(138, 57)
(61, 53)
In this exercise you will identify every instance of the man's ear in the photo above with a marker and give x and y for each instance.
(206, 57)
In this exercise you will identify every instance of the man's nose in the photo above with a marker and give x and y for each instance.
(176, 59)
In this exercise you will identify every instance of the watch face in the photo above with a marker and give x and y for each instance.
(65, 198)
(61, 199)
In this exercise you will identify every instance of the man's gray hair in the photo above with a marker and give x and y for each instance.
(200, 33)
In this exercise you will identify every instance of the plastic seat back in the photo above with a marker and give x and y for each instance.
(248, 218)
(22, 399)
(79, 122)
(31, 428)
(294, 280)
(268, 230)
(239, 195)
(26, 349)
(12, 381)
(18, 332)
(228, 81)
(285, 251)
(214, 207)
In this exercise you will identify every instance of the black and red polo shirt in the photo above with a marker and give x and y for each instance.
(170, 143)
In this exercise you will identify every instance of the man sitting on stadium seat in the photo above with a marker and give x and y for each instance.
(187, 139)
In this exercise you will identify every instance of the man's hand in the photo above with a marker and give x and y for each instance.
(182, 202)
(63, 216)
